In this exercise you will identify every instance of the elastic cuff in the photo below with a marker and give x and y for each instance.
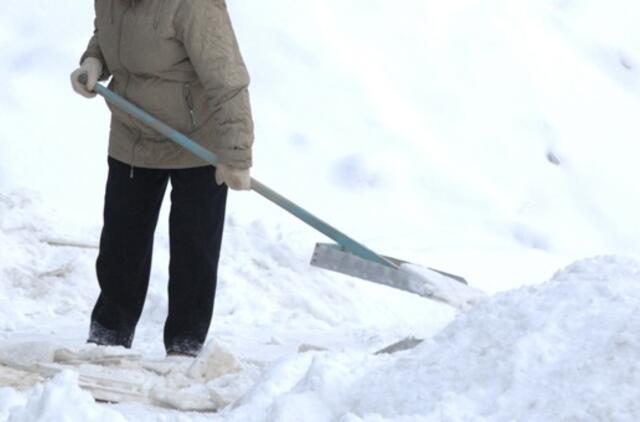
(233, 157)
(105, 71)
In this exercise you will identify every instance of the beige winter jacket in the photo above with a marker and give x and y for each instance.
(179, 60)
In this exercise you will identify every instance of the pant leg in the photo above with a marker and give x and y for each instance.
(195, 230)
(132, 206)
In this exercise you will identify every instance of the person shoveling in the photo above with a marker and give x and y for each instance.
(176, 68)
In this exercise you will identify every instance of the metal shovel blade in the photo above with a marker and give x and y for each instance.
(426, 282)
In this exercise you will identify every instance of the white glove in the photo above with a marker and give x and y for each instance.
(235, 178)
(93, 68)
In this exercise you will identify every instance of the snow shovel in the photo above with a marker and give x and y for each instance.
(347, 256)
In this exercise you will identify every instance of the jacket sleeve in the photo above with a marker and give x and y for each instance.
(93, 50)
(204, 27)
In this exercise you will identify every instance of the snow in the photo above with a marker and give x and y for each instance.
(431, 284)
(563, 350)
(57, 400)
(526, 355)
(492, 139)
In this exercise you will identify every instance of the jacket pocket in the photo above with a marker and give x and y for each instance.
(165, 100)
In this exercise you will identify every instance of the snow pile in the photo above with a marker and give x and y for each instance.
(565, 350)
(39, 281)
(115, 374)
(57, 400)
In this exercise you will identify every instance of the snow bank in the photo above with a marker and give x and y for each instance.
(564, 350)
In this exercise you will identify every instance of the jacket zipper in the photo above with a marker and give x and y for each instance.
(189, 101)
(110, 20)
(126, 12)
(126, 84)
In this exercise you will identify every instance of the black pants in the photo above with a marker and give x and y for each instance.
(132, 205)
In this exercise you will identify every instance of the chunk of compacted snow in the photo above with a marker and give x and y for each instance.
(60, 399)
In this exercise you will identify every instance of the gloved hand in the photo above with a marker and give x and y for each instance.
(93, 68)
(235, 178)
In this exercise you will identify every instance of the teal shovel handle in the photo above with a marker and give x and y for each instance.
(346, 242)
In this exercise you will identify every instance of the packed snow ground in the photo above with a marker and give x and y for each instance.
(495, 139)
